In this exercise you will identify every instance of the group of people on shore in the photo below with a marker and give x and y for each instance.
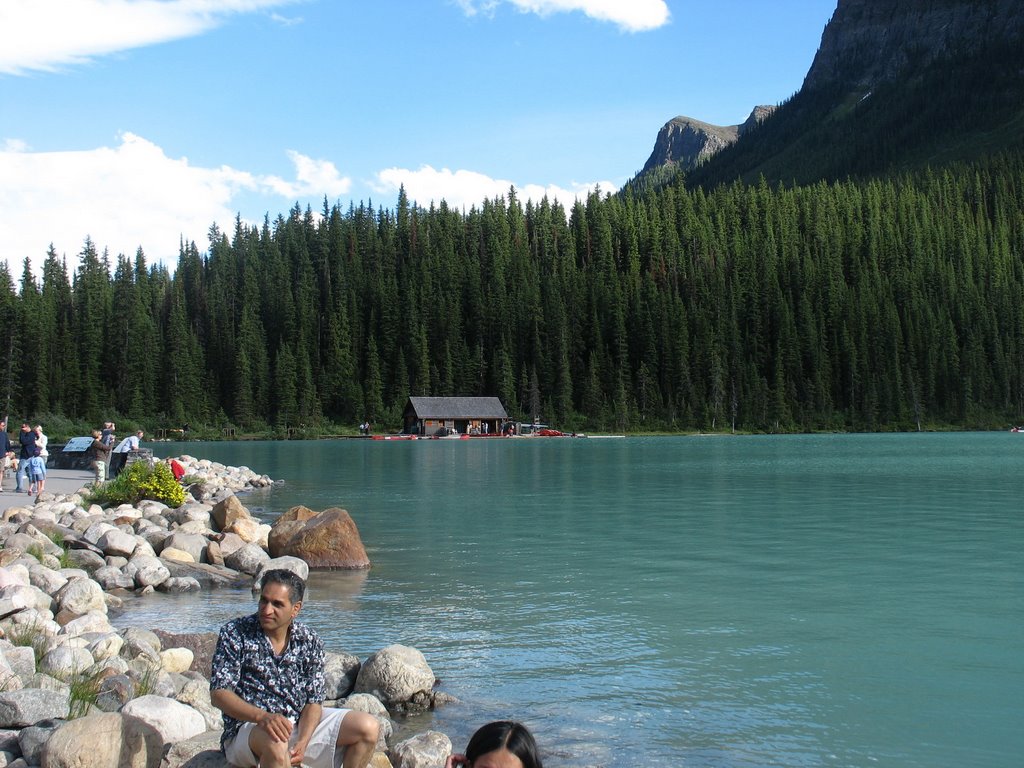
(107, 460)
(268, 681)
(26, 458)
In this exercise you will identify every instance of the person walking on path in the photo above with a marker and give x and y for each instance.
(28, 450)
(268, 680)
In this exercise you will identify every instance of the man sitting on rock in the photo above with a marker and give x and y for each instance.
(268, 680)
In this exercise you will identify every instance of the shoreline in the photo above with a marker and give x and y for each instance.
(53, 546)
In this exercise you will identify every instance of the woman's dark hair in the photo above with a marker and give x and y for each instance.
(296, 586)
(505, 734)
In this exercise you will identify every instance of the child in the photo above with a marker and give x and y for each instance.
(36, 473)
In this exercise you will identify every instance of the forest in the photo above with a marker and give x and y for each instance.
(893, 304)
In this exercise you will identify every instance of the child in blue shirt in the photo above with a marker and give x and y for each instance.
(36, 471)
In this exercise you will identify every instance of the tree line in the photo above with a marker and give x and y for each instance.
(885, 304)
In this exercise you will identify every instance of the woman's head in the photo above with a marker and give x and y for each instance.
(499, 736)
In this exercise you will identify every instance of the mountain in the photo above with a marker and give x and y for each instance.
(685, 142)
(895, 85)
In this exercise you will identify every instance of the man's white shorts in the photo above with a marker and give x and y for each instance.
(321, 752)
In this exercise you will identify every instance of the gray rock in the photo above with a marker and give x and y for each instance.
(22, 661)
(425, 750)
(394, 674)
(80, 596)
(104, 740)
(32, 739)
(192, 543)
(179, 584)
(64, 661)
(117, 543)
(202, 751)
(147, 571)
(248, 558)
(196, 694)
(288, 563)
(109, 577)
(340, 673)
(173, 720)
(20, 709)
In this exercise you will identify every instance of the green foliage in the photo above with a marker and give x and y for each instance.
(29, 636)
(886, 304)
(84, 690)
(138, 481)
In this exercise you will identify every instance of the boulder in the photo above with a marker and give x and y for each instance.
(394, 674)
(329, 541)
(20, 709)
(193, 543)
(32, 739)
(196, 693)
(79, 596)
(65, 661)
(147, 571)
(176, 659)
(202, 751)
(287, 563)
(173, 720)
(425, 750)
(178, 555)
(227, 511)
(286, 526)
(251, 531)
(104, 740)
(249, 559)
(117, 543)
(202, 644)
(340, 673)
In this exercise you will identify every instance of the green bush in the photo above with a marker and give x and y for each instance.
(139, 481)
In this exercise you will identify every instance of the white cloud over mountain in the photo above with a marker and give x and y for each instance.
(629, 15)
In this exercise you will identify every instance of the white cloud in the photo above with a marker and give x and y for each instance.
(630, 15)
(464, 189)
(128, 196)
(48, 34)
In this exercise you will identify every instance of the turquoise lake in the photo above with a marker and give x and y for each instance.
(834, 600)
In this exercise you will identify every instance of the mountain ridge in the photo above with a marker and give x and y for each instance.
(894, 85)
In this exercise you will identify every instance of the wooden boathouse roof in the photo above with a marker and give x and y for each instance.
(457, 408)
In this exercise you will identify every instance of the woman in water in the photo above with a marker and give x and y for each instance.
(502, 744)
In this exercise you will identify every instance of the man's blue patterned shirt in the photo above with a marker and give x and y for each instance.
(246, 664)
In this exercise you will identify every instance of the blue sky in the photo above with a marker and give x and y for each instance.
(139, 122)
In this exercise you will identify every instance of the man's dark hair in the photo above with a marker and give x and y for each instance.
(296, 586)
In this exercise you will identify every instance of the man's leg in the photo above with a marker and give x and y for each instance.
(358, 734)
(269, 753)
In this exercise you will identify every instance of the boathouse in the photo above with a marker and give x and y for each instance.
(430, 416)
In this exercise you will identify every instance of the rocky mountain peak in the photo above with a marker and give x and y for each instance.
(687, 142)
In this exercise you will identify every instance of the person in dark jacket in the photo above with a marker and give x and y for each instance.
(27, 438)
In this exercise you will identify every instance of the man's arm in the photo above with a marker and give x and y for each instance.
(231, 704)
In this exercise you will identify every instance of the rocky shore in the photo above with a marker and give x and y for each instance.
(77, 693)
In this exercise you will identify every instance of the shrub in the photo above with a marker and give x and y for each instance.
(139, 481)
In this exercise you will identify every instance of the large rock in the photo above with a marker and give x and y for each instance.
(249, 559)
(173, 720)
(64, 661)
(425, 750)
(147, 571)
(104, 740)
(227, 511)
(80, 596)
(117, 543)
(395, 674)
(287, 563)
(202, 751)
(329, 541)
(32, 739)
(286, 526)
(340, 673)
(20, 709)
(193, 543)
(202, 644)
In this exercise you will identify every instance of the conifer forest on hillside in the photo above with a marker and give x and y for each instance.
(871, 305)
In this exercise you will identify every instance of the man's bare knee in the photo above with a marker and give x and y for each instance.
(358, 727)
(267, 751)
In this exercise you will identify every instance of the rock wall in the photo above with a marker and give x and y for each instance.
(868, 41)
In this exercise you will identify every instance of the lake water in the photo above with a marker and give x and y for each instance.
(839, 600)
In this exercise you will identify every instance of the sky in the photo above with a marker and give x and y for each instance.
(141, 123)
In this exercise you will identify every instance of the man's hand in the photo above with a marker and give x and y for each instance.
(278, 727)
(298, 752)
